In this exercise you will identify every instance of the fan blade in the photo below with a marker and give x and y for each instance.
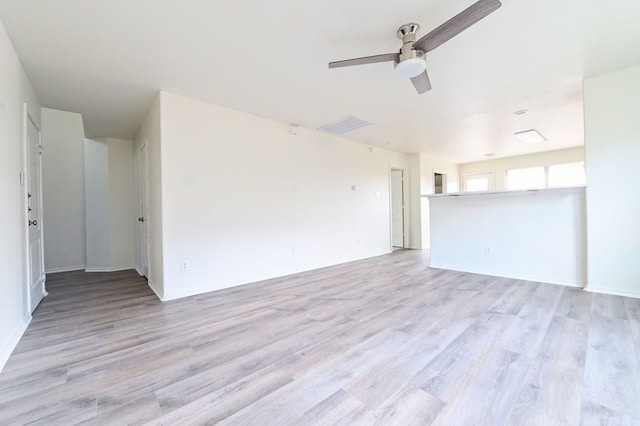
(421, 82)
(366, 60)
(457, 24)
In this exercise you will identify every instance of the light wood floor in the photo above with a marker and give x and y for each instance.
(381, 341)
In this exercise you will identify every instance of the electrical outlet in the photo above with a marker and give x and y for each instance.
(488, 250)
(184, 266)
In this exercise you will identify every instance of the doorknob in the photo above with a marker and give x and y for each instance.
(141, 219)
(33, 222)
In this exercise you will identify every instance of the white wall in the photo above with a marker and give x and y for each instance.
(63, 190)
(531, 235)
(15, 90)
(429, 165)
(243, 200)
(96, 167)
(110, 214)
(612, 132)
(415, 201)
(499, 166)
(149, 134)
(397, 208)
(121, 205)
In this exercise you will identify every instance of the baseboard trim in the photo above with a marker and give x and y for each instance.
(195, 292)
(127, 268)
(11, 344)
(155, 290)
(65, 269)
(613, 292)
(512, 276)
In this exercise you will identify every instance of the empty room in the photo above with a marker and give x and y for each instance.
(319, 213)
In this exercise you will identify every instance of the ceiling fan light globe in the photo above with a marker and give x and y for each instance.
(410, 68)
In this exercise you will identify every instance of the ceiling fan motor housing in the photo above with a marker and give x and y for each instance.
(411, 62)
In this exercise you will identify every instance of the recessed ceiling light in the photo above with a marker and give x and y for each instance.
(520, 113)
(530, 136)
(490, 154)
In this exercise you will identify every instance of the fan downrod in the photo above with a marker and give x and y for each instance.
(407, 33)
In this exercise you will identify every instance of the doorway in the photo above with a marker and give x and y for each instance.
(439, 182)
(142, 238)
(397, 208)
(35, 257)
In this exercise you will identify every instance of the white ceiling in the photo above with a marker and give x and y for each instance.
(107, 58)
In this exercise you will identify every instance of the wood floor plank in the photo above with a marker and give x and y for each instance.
(530, 325)
(575, 303)
(482, 335)
(448, 375)
(407, 407)
(488, 391)
(395, 371)
(609, 306)
(474, 376)
(215, 406)
(339, 408)
(136, 412)
(50, 411)
(633, 311)
(325, 350)
(554, 384)
(227, 370)
(385, 340)
(25, 385)
(514, 298)
(318, 383)
(529, 416)
(485, 297)
(612, 373)
(597, 415)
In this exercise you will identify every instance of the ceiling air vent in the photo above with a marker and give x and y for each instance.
(345, 125)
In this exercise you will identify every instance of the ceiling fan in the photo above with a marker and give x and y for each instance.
(410, 61)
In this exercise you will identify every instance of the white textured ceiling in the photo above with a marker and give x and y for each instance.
(107, 59)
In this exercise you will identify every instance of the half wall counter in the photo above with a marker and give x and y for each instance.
(536, 235)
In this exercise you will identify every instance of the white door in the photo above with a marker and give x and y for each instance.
(34, 216)
(397, 209)
(142, 252)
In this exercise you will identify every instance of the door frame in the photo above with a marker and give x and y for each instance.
(24, 181)
(445, 180)
(406, 240)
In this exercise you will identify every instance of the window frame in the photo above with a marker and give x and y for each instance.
(546, 169)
